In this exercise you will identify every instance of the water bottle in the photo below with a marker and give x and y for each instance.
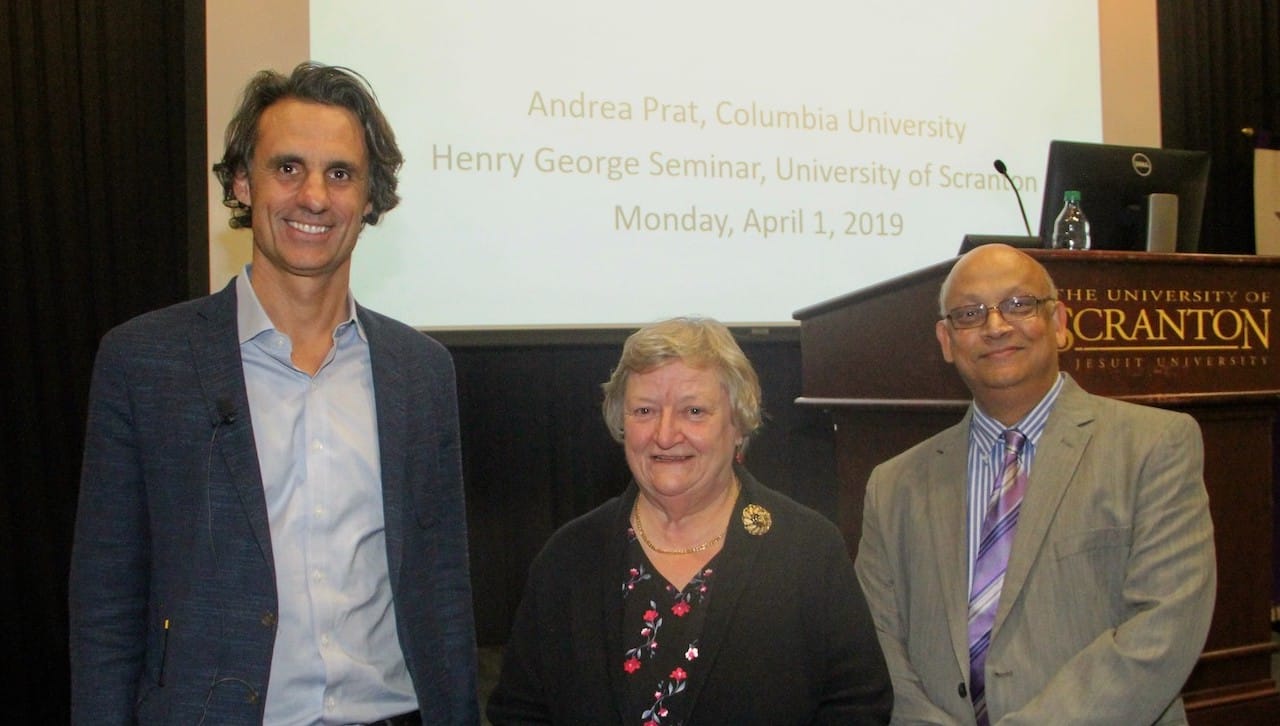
(1071, 228)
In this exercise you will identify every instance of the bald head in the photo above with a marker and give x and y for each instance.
(987, 258)
(1008, 362)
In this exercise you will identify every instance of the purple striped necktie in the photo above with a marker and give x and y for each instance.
(998, 526)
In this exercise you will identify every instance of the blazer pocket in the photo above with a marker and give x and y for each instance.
(1094, 539)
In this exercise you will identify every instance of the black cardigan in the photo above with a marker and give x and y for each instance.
(788, 633)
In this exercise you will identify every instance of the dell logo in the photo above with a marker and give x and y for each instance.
(1141, 164)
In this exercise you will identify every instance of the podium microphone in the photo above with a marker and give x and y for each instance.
(1004, 171)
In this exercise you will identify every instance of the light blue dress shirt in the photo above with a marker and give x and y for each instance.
(337, 658)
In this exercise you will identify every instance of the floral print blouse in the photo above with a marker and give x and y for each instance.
(661, 626)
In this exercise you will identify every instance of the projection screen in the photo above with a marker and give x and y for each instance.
(585, 164)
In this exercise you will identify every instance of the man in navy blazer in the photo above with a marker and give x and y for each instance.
(271, 526)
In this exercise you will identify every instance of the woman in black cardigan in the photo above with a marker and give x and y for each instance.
(699, 596)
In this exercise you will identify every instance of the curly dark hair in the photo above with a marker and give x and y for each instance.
(330, 85)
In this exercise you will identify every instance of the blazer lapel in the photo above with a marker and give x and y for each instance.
(944, 508)
(1062, 445)
(390, 401)
(215, 349)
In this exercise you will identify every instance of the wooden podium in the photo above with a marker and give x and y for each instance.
(1186, 332)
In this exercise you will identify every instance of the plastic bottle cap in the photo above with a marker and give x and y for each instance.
(1071, 196)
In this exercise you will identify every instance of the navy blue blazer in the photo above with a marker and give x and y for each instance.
(172, 525)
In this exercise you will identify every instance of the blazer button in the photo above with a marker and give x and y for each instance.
(268, 619)
(964, 693)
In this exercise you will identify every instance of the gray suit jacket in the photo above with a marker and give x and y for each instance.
(172, 525)
(1110, 584)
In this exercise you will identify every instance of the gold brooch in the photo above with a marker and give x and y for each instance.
(756, 519)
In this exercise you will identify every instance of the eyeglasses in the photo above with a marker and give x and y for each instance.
(1018, 307)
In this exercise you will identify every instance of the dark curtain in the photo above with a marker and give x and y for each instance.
(1219, 75)
(101, 113)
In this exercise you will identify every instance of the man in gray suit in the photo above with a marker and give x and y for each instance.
(271, 525)
(1101, 601)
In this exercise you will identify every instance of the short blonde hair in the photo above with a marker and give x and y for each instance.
(701, 343)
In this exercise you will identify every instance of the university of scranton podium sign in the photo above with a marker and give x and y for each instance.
(1178, 323)
(1166, 330)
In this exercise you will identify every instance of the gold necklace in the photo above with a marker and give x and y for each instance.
(635, 520)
